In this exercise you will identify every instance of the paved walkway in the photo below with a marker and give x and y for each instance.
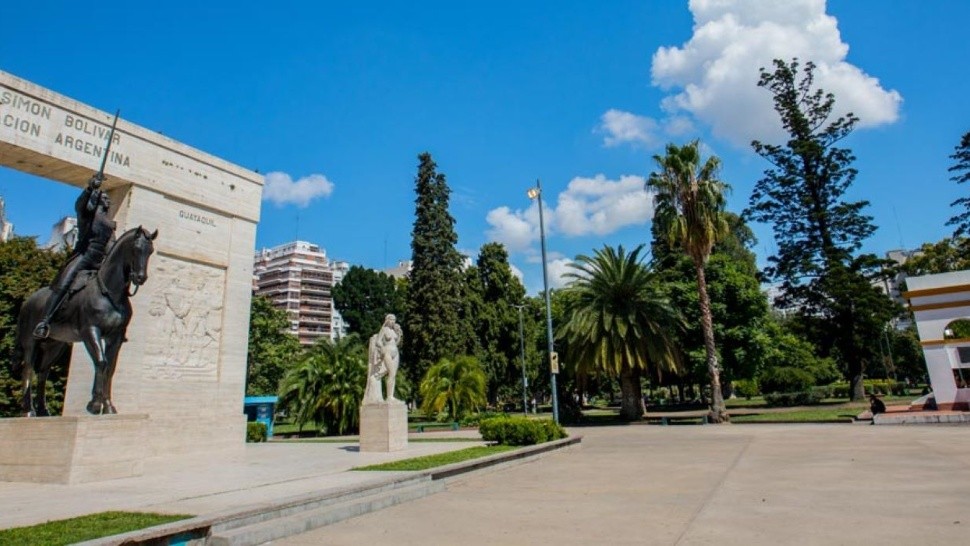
(719, 485)
(202, 484)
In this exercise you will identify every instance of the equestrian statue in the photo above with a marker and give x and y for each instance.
(87, 302)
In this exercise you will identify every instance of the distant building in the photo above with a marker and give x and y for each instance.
(401, 270)
(6, 228)
(63, 234)
(298, 278)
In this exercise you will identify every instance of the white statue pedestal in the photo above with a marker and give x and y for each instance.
(72, 449)
(383, 426)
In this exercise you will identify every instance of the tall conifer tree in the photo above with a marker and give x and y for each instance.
(434, 288)
(961, 174)
(818, 232)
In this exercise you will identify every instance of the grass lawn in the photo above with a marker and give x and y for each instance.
(352, 439)
(441, 459)
(293, 428)
(841, 414)
(69, 531)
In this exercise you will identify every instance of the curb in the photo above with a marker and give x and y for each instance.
(196, 530)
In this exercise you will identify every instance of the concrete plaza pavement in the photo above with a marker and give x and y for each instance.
(723, 485)
(256, 474)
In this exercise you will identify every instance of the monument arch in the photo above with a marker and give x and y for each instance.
(184, 365)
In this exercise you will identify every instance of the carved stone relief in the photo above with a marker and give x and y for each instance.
(187, 309)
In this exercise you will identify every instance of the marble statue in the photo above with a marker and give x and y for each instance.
(383, 358)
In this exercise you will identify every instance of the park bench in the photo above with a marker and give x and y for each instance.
(665, 420)
(423, 426)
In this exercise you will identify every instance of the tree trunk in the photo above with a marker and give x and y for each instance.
(857, 388)
(631, 395)
(718, 413)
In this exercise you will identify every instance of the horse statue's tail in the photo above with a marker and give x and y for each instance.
(17, 360)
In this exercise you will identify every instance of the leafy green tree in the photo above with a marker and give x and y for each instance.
(619, 323)
(364, 297)
(817, 231)
(689, 208)
(272, 349)
(738, 306)
(434, 286)
(784, 349)
(940, 257)
(23, 269)
(961, 170)
(457, 386)
(496, 292)
(327, 385)
(905, 354)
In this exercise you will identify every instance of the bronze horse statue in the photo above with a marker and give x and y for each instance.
(96, 313)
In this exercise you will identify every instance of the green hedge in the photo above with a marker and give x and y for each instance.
(255, 431)
(520, 431)
(804, 398)
(872, 386)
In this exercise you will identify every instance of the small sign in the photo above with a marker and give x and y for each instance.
(554, 362)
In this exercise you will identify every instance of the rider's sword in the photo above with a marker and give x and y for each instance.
(107, 148)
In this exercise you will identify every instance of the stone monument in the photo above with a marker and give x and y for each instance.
(180, 380)
(383, 421)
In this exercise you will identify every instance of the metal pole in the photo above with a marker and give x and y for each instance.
(545, 285)
(525, 381)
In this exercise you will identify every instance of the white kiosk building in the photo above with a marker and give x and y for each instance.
(939, 301)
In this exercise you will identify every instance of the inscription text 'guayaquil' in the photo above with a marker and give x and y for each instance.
(186, 215)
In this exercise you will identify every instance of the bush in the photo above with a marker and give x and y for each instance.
(785, 380)
(255, 431)
(805, 398)
(475, 419)
(747, 388)
(519, 431)
(872, 386)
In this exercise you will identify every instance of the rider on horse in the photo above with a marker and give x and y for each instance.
(95, 230)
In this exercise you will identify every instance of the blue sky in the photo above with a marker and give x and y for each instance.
(338, 99)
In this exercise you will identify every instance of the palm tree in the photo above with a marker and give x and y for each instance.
(619, 322)
(456, 385)
(327, 385)
(689, 208)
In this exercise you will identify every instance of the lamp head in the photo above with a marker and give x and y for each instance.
(533, 193)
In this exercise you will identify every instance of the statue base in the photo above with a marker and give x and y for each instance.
(383, 426)
(72, 449)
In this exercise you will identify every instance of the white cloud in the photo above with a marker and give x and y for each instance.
(624, 127)
(600, 206)
(515, 229)
(588, 206)
(517, 273)
(557, 269)
(282, 190)
(715, 73)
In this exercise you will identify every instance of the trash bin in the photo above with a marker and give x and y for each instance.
(261, 408)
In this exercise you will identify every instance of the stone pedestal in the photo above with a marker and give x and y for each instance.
(384, 427)
(72, 449)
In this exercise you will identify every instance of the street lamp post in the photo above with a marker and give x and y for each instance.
(525, 381)
(536, 193)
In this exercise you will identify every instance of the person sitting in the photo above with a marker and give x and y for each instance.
(95, 230)
(876, 405)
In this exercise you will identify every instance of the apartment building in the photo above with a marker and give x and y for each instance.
(6, 228)
(298, 277)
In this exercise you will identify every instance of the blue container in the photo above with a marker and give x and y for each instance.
(261, 408)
